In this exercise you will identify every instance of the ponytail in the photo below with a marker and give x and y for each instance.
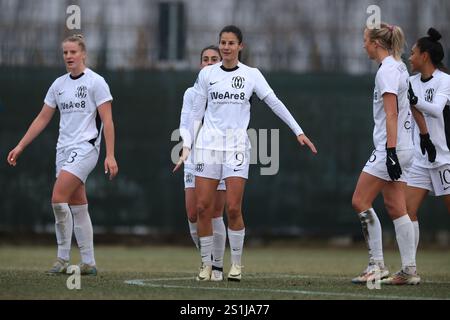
(390, 37)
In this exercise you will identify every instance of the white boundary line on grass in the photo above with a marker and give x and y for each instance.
(300, 276)
(342, 278)
(148, 283)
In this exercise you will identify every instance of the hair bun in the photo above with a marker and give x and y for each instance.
(434, 34)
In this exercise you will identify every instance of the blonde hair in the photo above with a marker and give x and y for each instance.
(78, 38)
(390, 37)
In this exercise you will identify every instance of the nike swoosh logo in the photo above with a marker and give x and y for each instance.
(392, 161)
(235, 249)
(213, 83)
(445, 188)
(60, 93)
(235, 170)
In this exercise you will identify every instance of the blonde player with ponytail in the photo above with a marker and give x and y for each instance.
(387, 167)
(84, 102)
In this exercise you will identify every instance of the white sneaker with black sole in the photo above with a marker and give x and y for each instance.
(235, 273)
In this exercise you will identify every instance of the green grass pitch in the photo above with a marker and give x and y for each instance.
(167, 272)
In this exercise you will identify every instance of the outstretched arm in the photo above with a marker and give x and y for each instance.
(283, 113)
(108, 131)
(36, 127)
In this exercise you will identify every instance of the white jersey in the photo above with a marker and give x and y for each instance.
(438, 122)
(392, 77)
(77, 100)
(228, 93)
(185, 118)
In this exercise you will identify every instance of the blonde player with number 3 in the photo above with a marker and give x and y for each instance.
(84, 102)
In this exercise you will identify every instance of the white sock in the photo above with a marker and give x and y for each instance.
(63, 228)
(416, 233)
(236, 239)
(193, 231)
(372, 233)
(404, 232)
(84, 233)
(220, 238)
(206, 246)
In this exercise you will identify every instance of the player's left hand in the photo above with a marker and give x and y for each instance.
(303, 139)
(111, 167)
(426, 145)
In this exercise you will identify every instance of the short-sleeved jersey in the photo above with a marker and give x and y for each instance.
(77, 100)
(228, 93)
(392, 77)
(438, 127)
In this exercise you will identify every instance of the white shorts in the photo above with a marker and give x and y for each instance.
(435, 180)
(220, 165)
(376, 165)
(189, 178)
(79, 160)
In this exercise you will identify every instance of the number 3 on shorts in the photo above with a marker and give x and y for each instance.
(72, 156)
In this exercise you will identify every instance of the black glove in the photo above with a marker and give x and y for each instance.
(411, 96)
(427, 145)
(392, 164)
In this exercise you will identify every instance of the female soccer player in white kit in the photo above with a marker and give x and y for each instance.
(430, 94)
(208, 56)
(387, 167)
(84, 102)
(222, 146)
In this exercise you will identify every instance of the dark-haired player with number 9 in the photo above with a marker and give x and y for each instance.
(222, 147)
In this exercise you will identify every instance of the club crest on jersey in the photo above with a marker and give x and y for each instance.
(238, 82)
(81, 92)
(429, 95)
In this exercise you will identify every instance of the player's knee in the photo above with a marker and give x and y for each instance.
(234, 211)
(389, 205)
(59, 197)
(202, 209)
(358, 203)
(192, 214)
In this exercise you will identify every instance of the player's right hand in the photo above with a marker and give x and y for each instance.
(13, 155)
(412, 96)
(184, 155)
